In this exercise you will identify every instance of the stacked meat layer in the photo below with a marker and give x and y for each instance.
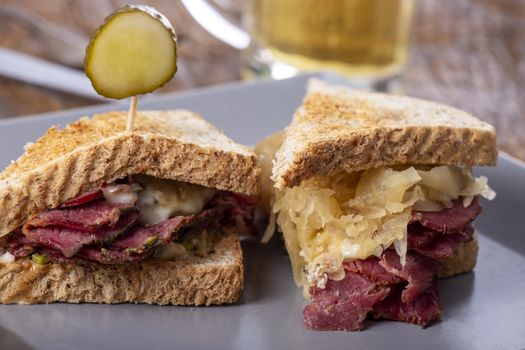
(91, 229)
(380, 287)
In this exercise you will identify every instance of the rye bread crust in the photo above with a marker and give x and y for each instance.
(177, 145)
(337, 129)
(216, 279)
(464, 260)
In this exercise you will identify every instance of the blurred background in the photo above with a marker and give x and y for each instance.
(467, 53)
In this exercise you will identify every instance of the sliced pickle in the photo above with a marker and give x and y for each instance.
(40, 259)
(134, 52)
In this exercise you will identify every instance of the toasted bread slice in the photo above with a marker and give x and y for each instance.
(216, 279)
(176, 145)
(340, 129)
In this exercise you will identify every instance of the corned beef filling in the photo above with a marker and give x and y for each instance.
(382, 288)
(90, 229)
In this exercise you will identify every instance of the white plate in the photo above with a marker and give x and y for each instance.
(482, 310)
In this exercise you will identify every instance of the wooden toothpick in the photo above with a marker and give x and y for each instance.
(132, 113)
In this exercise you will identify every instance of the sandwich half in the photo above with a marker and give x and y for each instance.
(375, 197)
(92, 213)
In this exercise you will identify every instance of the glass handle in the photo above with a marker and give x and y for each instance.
(216, 24)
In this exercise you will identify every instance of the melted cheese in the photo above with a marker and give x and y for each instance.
(161, 199)
(327, 220)
(171, 251)
(7, 258)
(114, 193)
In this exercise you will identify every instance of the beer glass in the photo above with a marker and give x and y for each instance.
(365, 40)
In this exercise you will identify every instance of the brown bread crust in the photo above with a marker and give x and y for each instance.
(338, 129)
(463, 260)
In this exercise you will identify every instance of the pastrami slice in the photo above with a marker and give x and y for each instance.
(419, 271)
(371, 268)
(422, 311)
(89, 217)
(451, 219)
(83, 199)
(343, 305)
(70, 241)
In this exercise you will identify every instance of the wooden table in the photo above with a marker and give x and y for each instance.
(466, 53)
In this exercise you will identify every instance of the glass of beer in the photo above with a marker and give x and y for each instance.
(365, 40)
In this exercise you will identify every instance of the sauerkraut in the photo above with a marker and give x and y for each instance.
(327, 220)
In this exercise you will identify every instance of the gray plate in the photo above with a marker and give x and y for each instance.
(483, 310)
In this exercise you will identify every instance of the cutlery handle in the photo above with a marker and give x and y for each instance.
(32, 70)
